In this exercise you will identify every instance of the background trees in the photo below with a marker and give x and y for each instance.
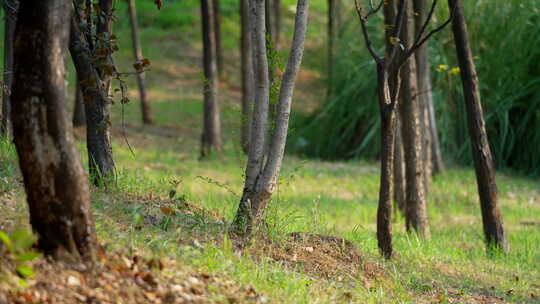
(55, 183)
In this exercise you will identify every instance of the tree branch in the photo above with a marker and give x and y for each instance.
(363, 20)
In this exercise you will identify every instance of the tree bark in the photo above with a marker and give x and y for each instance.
(137, 52)
(416, 213)
(79, 119)
(55, 183)
(217, 36)
(438, 163)
(261, 177)
(483, 162)
(10, 10)
(247, 75)
(277, 22)
(96, 103)
(211, 136)
(388, 133)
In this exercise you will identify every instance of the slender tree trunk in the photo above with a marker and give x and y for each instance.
(217, 36)
(247, 75)
(10, 10)
(277, 21)
(55, 183)
(399, 159)
(79, 119)
(388, 134)
(261, 176)
(485, 171)
(332, 33)
(269, 19)
(96, 103)
(211, 137)
(425, 95)
(416, 215)
(438, 163)
(145, 106)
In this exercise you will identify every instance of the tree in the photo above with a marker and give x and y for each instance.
(95, 84)
(410, 111)
(217, 36)
(54, 179)
(211, 136)
(79, 119)
(10, 9)
(247, 75)
(332, 32)
(483, 162)
(266, 152)
(388, 67)
(145, 106)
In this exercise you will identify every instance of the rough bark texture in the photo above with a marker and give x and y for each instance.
(388, 132)
(98, 140)
(211, 136)
(261, 178)
(425, 95)
(483, 162)
(137, 52)
(416, 214)
(55, 183)
(247, 75)
(217, 36)
(79, 119)
(10, 8)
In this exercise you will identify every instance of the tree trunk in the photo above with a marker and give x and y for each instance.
(145, 106)
(10, 10)
(261, 176)
(277, 22)
(96, 103)
(217, 36)
(483, 162)
(79, 119)
(247, 75)
(332, 34)
(388, 132)
(416, 215)
(400, 180)
(425, 95)
(55, 183)
(438, 163)
(211, 136)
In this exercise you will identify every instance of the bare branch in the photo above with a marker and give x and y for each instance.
(397, 28)
(277, 146)
(419, 43)
(426, 22)
(363, 20)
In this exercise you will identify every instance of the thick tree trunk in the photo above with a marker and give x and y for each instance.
(56, 187)
(96, 103)
(10, 10)
(388, 133)
(247, 75)
(261, 176)
(217, 36)
(79, 119)
(483, 162)
(416, 214)
(211, 136)
(137, 51)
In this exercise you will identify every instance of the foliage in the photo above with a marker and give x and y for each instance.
(507, 59)
(18, 249)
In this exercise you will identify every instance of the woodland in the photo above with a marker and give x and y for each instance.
(269, 151)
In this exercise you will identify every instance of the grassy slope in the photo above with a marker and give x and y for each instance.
(318, 197)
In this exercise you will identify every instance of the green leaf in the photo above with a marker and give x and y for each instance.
(22, 239)
(25, 271)
(28, 256)
(6, 240)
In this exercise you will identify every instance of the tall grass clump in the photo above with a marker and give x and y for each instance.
(505, 38)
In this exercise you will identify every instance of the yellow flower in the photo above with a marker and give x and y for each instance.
(454, 71)
(442, 67)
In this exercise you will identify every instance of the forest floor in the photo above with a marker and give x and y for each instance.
(162, 226)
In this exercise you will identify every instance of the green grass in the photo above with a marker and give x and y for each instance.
(336, 198)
